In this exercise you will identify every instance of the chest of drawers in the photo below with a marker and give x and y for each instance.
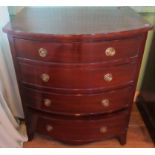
(77, 69)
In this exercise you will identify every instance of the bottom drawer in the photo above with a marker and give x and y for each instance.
(81, 130)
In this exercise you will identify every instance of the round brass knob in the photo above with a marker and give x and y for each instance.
(42, 52)
(49, 128)
(47, 102)
(105, 102)
(103, 129)
(108, 77)
(110, 51)
(45, 77)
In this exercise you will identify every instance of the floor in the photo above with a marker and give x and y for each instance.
(137, 137)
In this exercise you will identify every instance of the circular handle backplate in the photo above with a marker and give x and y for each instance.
(42, 52)
(105, 102)
(49, 128)
(103, 129)
(110, 51)
(47, 102)
(108, 77)
(45, 77)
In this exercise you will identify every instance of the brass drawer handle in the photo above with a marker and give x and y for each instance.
(103, 129)
(45, 77)
(108, 77)
(49, 128)
(105, 102)
(42, 52)
(110, 51)
(47, 102)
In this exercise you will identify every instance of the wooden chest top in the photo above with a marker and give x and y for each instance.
(77, 22)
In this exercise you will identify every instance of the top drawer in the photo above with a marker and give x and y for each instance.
(115, 50)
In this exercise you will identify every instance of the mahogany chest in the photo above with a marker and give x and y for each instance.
(77, 69)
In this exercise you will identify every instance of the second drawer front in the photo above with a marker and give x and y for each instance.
(83, 129)
(77, 77)
(78, 104)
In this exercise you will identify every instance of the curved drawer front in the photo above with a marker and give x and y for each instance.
(79, 104)
(114, 50)
(89, 129)
(76, 77)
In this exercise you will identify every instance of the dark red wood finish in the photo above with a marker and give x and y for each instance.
(78, 52)
(76, 77)
(78, 104)
(83, 130)
(76, 63)
(77, 23)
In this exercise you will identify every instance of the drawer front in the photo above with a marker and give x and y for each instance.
(84, 130)
(76, 77)
(78, 52)
(46, 51)
(78, 104)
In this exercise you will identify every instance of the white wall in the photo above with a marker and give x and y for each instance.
(13, 10)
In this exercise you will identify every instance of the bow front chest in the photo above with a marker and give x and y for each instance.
(77, 69)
